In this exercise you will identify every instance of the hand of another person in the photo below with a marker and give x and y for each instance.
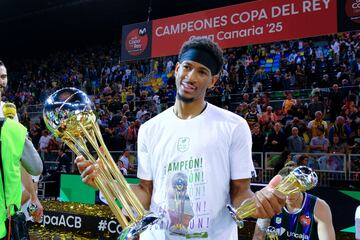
(38, 214)
(88, 171)
(268, 200)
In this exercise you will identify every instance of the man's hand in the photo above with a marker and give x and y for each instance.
(268, 200)
(38, 214)
(88, 171)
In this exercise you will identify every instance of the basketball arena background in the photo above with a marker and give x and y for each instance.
(50, 44)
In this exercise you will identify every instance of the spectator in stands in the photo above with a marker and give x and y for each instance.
(295, 143)
(288, 102)
(122, 168)
(268, 116)
(300, 76)
(44, 141)
(336, 146)
(299, 124)
(64, 161)
(315, 106)
(353, 117)
(252, 116)
(340, 130)
(303, 160)
(319, 144)
(131, 137)
(299, 109)
(355, 69)
(335, 102)
(313, 125)
(141, 112)
(354, 141)
(246, 98)
(258, 139)
(276, 140)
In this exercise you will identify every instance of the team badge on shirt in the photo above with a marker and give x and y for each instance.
(183, 144)
(305, 220)
(278, 220)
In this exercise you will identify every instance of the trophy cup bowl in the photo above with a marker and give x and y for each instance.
(300, 179)
(68, 115)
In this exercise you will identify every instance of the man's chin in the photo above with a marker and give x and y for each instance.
(184, 99)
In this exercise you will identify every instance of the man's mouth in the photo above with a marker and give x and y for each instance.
(188, 87)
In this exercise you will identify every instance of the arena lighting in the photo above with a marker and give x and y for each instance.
(44, 10)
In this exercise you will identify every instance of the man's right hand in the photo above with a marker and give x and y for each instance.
(88, 171)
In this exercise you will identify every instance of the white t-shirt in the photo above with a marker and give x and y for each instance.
(191, 163)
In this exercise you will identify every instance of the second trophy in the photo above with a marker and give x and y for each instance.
(300, 179)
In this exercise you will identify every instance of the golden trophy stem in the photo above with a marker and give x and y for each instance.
(136, 204)
(100, 183)
(110, 170)
(287, 186)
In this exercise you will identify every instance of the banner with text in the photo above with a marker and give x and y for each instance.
(241, 24)
(249, 23)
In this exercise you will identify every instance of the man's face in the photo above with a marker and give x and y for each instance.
(295, 132)
(192, 80)
(3, 78)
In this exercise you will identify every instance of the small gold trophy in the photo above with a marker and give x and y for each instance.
(300, 179)
(68, 115)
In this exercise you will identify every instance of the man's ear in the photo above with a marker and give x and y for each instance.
(177, 68)
(214, 79)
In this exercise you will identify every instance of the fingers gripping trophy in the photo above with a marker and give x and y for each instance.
(68, 115)
(300, 179)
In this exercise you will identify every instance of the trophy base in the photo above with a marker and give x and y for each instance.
(232, 212)
(178, 229)
(133, 231)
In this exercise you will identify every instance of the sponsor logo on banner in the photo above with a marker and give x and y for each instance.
(352, 9)
(137, 41)
(81, 223)
(64, 220)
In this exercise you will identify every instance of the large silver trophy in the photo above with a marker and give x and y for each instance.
(68, 115)
(300, 179)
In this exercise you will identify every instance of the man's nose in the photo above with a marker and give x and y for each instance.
(190, 75)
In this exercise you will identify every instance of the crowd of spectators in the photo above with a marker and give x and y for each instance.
(254, 80)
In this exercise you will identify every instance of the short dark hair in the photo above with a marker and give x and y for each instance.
(206, 44)
(2, 63)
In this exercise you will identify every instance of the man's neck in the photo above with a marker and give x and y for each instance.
(189, 110)
(295, 205)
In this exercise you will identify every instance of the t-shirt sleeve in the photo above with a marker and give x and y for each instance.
(241, 164)
(144, 162)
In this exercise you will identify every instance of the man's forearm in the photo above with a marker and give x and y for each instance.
(28, 183)
(30, 159)
(143, 194)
